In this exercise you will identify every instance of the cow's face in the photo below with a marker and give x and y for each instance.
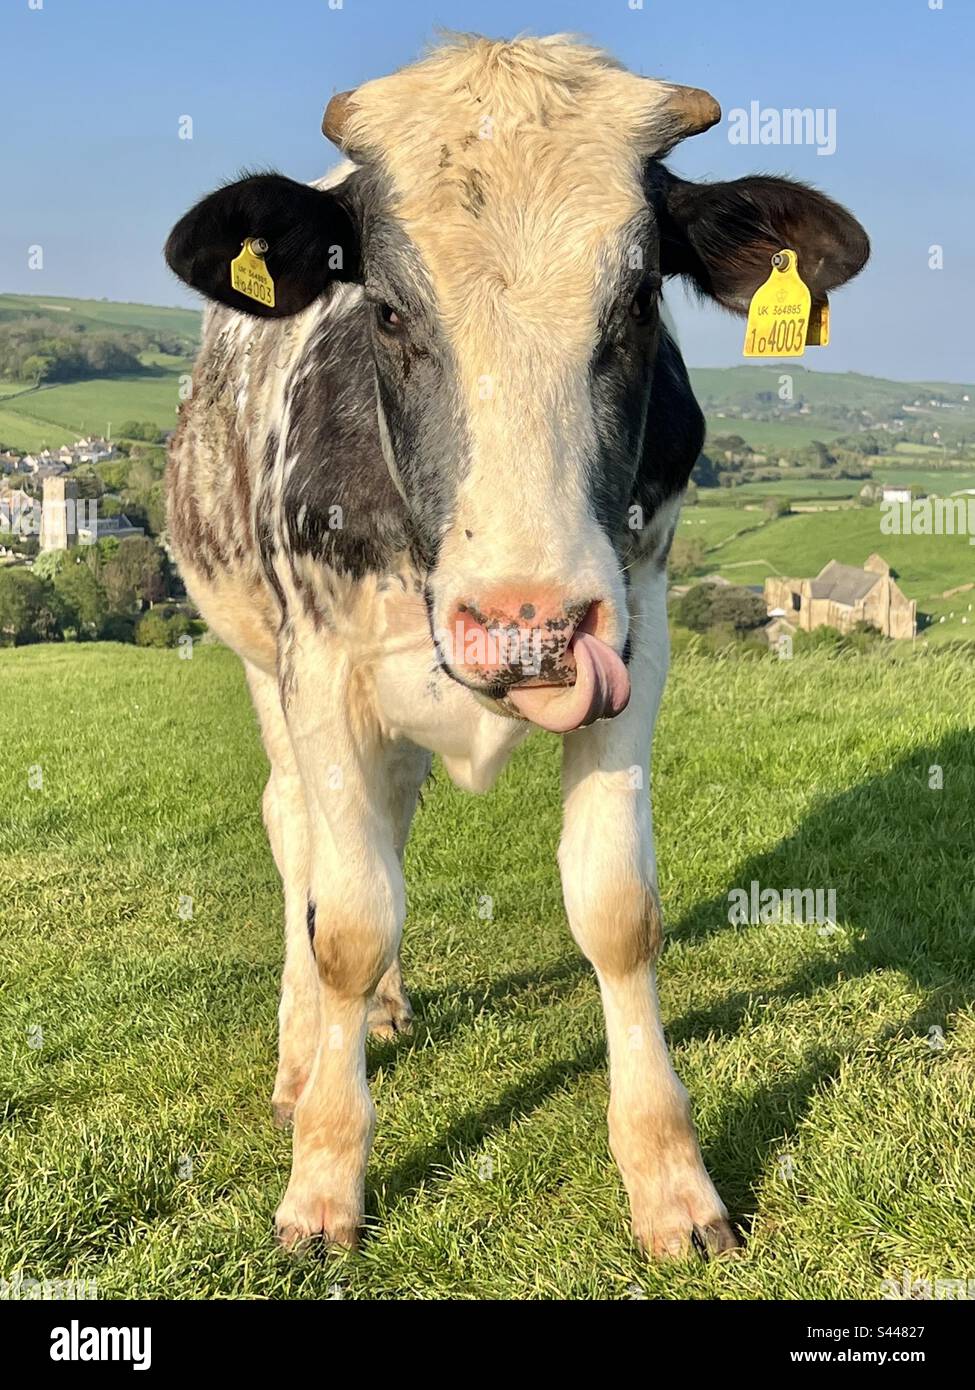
(510, 224)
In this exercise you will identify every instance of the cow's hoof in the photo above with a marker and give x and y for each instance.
(686, 1240)
(300, 1226)
(390, 1016)
(283, 1114)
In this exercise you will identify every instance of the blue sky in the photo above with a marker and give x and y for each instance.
(95, 173)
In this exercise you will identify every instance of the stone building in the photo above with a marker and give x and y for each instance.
(59, 529)
(841, 596)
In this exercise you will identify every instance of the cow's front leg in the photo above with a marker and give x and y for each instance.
(355, 919)
(606, 858)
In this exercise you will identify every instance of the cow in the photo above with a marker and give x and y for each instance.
(427, 495)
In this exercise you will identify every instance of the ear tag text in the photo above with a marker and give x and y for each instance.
(249, 275)
(778, 316)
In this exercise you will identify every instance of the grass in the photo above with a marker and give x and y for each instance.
(59, 414)
(137, 1147)
(55, 415)
(770, 436)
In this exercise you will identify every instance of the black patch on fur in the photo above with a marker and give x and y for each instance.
(311, 921)
(674, 434)
(340, 505)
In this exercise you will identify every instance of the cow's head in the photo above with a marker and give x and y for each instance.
(510, 223)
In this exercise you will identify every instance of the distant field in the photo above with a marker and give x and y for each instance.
(714, 525)
(22, 433)
(773, 434)
(137, 1146)
(802, 489)
(941, 480)
(717, 386)
(102, 311)
(56, 415)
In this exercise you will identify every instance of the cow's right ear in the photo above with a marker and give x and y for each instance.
(310, 234)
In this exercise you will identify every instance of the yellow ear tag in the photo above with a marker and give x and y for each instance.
(249, 275)
(778, 316)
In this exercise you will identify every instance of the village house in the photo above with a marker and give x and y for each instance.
(841, 596)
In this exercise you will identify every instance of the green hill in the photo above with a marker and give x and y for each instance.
(102, 313)
(58, 413)
(718, 387)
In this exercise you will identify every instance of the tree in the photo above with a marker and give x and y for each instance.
(152, 631)
(694, 609)
(704, 473)
(49, 563)
(36, 369)
(156, 509)
(738, 606)
(114, 474)
(85, 603)
(140, 429)
(135, 574)
(142, 475)
(29, 610)
(777, 506)
(723, 606)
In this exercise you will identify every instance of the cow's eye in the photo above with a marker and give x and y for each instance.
(389, 318)
(643, 302)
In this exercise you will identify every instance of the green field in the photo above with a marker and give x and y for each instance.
(60, 413)
(720, 386)
(837, 1120)
(55, 415)
(103, 313)
(770, 435)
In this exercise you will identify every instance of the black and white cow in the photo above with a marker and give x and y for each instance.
(428, 498)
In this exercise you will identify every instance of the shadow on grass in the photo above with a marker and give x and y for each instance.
(897, 850)
(440, 1013)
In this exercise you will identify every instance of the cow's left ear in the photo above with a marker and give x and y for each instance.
(723, 235)
(310, 234)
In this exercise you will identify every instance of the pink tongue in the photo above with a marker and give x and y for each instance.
(601, 690)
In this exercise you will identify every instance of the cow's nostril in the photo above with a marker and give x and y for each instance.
(508, 638)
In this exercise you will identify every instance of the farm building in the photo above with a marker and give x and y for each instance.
(841, 596)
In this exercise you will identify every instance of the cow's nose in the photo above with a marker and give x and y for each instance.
(518, 638)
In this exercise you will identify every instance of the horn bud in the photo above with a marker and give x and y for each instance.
(336, 115)
(692, 108)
